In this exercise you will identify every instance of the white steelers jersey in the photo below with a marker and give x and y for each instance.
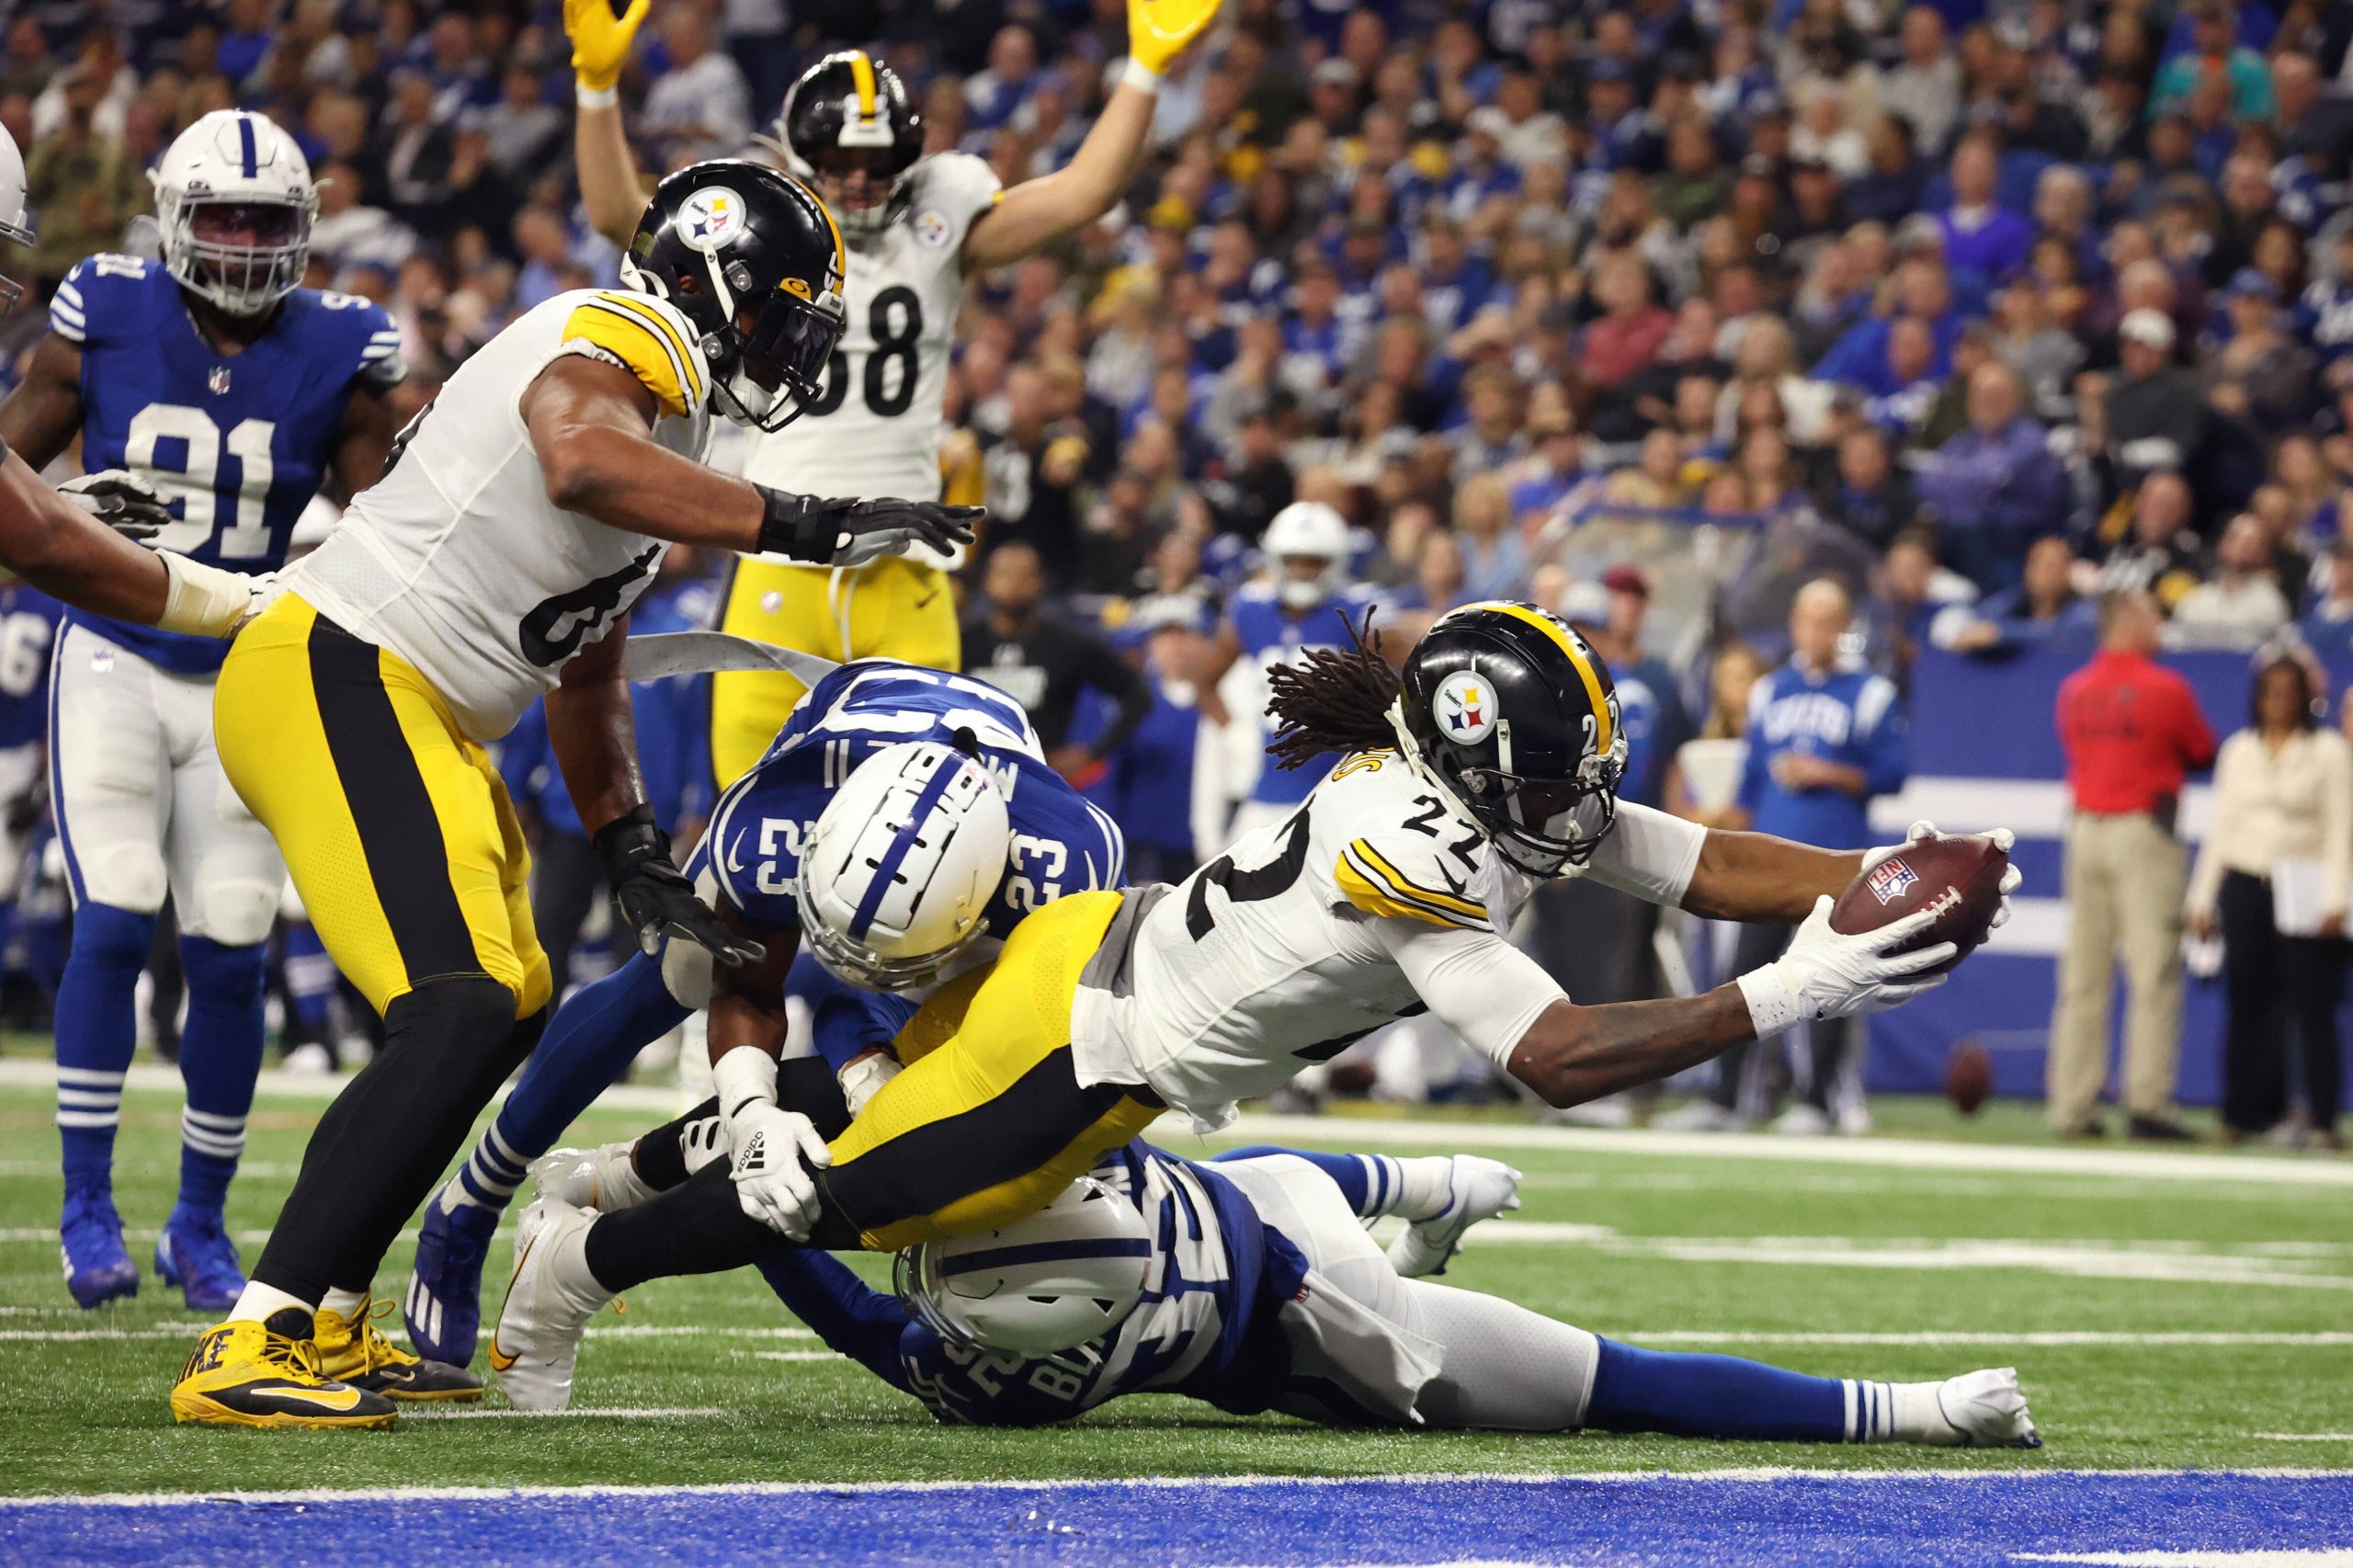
(875, 429)
(1272, 957)
(457, 561)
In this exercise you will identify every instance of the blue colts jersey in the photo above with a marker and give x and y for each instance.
(1062, 842)
(1269, 637)
(1205, 1327)
(238, 442)
(28, 635)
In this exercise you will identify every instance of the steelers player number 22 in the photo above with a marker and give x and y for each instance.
(1269, 881)
(895, 324)
(553, 632)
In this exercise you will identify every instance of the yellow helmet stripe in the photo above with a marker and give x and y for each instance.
(862, 74)
(841, 268)
(1603, 734)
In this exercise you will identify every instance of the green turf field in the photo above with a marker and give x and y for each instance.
(2164, 1311)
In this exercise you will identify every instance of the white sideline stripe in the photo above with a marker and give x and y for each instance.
(615, 1331)
(795, 1356)
(2267, 1557)
(1734, 1475)
(671, 1412)
(2306, 1437)
(1174, 1134)
(2040, 1339)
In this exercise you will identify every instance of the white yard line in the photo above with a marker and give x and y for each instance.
(2268, 1557)
(606, 1331)
(1744, 1475)
(1914, 1153)
(2040, 1339)
(2306, 1437)
(674, 1413)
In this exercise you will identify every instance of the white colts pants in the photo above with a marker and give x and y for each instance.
(142, 807)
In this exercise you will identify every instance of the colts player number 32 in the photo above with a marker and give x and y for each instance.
(522, 514)
(917, 228)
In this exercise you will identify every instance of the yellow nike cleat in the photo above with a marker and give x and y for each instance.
(351, 1350)
(242, 1375)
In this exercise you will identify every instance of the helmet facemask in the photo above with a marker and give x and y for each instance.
(777, 340)
(1542, 825)
(882, 179)
(854, 962)
(243, 276)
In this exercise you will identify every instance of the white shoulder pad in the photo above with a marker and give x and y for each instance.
(1407, 856)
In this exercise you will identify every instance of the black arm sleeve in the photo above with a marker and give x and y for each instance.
(1125, 685)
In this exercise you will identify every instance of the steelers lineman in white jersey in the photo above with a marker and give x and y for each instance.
(917, 227)
(522, 514)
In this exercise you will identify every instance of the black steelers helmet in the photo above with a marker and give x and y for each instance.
(848, 112)
(1514, 715)
(755, 260)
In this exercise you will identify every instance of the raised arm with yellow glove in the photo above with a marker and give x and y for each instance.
(610, 187)
(1035, 213)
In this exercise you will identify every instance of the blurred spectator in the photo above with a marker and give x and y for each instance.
(1044, 663)
(1873, 500)
(1823, 738)
(1994, 488)
(1981, 237)
(1494, 565)
(1151, 782)
(2240, 603)
(701, 106)
(2156, 418)
(2216, 55)
(2132, 731)
(80, 183)
(2271, 879)
(2159, 553)
(2327, 626)
(1924, 89)
(2041, 605)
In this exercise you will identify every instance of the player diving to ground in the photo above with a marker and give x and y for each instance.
(522, 513)
(917, 227)
(1249, 1282)
(238, 393)
(1492, 763)
(875, 745)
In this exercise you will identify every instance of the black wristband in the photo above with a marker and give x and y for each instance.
(797, 526)
(629, 841)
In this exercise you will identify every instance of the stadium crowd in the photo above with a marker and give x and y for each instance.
(1656, 313)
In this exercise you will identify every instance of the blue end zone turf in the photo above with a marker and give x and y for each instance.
(1730, 1518)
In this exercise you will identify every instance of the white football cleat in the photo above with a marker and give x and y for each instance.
(536, 1342)
(1987, 1409)
(1802, 1121)
(602, 1178)
(1477, 1188)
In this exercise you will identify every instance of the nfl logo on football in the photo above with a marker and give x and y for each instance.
(1890, 879)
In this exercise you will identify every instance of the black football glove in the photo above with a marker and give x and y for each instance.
(655, 898)
(121, 500)
(851, 533)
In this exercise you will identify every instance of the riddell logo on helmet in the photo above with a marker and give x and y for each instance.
(1465, 707)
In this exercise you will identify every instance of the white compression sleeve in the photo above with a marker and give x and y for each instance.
(203, 599)
(1649, 854)
(1476, 982)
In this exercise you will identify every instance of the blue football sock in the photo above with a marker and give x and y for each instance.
(1724, 1396)
(220, 1050)
(588, 1046)
(311, 976)
(97, 1033)
(845, 1021)
(1371, 1183)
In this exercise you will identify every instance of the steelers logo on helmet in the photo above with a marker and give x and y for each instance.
(712, 219)
(1466, 707)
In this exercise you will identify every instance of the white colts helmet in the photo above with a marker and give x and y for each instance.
(1313, 529)
(14, 228)
(902, 865)
(234, 158)
(1046, 1283)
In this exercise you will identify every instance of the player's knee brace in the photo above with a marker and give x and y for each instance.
(233, 911)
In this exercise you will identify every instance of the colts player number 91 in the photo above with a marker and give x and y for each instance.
(917, 228)
(523, 512)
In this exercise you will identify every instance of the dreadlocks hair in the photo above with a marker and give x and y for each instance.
(1333, 699)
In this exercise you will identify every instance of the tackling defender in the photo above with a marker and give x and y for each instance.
(918, 227)
(522, 514)
(237, 393)
(875, 743)
(1249, 1282)
(1493, 763)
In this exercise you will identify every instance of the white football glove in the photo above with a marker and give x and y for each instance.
(2004, 840)
(768, 1145)
(863, 1079)
(121, 500)
(1825, 974)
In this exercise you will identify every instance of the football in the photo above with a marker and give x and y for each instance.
(1969, 1076)
(1957, 875)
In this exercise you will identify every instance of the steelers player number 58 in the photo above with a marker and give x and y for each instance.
(894, 322)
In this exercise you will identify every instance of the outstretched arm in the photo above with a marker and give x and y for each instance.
(70, 555)
(1036, 213)
(610, 187)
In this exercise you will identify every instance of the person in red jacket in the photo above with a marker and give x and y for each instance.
(2133, 731)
